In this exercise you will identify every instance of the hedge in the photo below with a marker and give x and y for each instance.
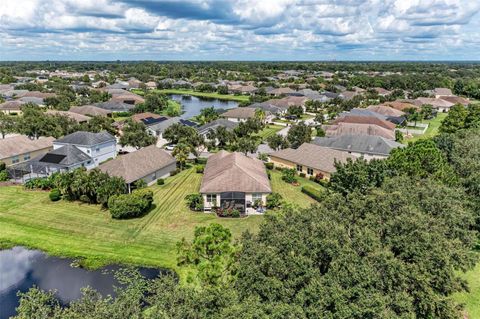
(130, 205)
(313, 192)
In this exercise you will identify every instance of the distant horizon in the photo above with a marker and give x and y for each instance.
(253, 61)
(243, 30)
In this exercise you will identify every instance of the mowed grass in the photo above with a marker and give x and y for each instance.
(432, 130)
(268, 131)
(471, 299)
(88, 233)
(230, 97)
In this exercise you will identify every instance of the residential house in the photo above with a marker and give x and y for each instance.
(98, 146)
(21, 148)
(234, 181)
(229, 126)
(79, 118)
(239, 114)
(310, 159)
(382, 91)
(242, 89)
(147, 164)
(360, 125)
(151, 85)
(12, 107)
(456, 100)
(401, 105)
(91, 110)
(440, 105)
(366, 146)
(281, 91)
(442, 92)
(115, 106)
(397, 120)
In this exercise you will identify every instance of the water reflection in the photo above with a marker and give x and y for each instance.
(21, 268)
(192, 104)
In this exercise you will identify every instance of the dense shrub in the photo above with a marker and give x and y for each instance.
(313, 192)
(302, 175)
(130, 205)
(194, 201)
(288, 175)
(199, 168)
(160, 181)
(3, 175)
(269, 165)
(3, 166)
(55, 195)
(201, 160)
(43, 183)
(274, 200)
(174, 172)
(230, 212)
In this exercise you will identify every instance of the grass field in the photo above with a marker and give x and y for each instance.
(238, 98)
(86, 232)
(471, 300)
(272, 129)
(432, 130)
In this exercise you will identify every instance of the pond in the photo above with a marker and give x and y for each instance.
(192, 104)
(22, 268)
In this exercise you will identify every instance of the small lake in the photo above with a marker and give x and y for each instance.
(192, 104)
(22, 268)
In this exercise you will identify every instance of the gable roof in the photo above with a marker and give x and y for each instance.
(136, 165)
(91, 110)
(86, 138)
(115, 106)
(234, 172)
(21, 144)
(314, 156)
(364, 119)
(240, 112)
(399, 105)
(79, 118)
(12, 105)
(456, 100)
(366, 144)
(385, 110)
(433, 102)
(443, 91)
(229, 125)
(343, 128)
(67, 155)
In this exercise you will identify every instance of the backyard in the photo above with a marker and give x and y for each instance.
(432, 130)
(86, 232)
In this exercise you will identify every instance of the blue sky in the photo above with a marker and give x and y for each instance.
(239, 30)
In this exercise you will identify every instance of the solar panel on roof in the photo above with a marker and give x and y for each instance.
(188, 123)
(151, 120)
(52, 158)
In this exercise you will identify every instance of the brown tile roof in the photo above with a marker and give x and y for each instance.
(456, 100)
(399, 105)
(314, 156)
(90, 110)
(141, 116)
(382, 91)
(279, 91)
(234, 172)
(433, 102)
(288, 101)
(372, 120)
(72, 115)
(136, 165)
(240, 113)
(358, 129)
(128, 97)
(443, 91)
(385, 110)
(37, 94)
(11, 106)
(21, 144)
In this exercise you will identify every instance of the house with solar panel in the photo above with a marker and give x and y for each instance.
(157, 124)
(79, 149)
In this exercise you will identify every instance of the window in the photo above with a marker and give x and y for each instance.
(310, 171)
(15, 159)
(26, 157)
(88, 151)
(98, 149)
(256, 196)
(299, 168)
(211, 198)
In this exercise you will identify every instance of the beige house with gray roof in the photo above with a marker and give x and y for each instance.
(310, 159)
(239, 114)
(234, 181)
(18, 149)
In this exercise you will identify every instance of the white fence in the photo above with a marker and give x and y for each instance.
(420, 130)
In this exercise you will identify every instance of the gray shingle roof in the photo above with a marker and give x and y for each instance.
(115, 106)
(85, 138)
(72, 155)
(367, 144)
(229, 125)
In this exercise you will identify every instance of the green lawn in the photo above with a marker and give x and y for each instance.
(471, 300)
(270, 130)
(432, 130)
(86, 232)
(230, 97)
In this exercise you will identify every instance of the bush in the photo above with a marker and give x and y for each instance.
(201, 160)
(174, 172)
(55, 195)
(269, 175)
(313, 192)
(288, 175)
(3, 166)
(43, 183)
(269, 165)
(302, 175)
(130, 205)
(160, 181)
(194, 201)
(274, 200)
(230, 212)
(199, 168)
(3, 176)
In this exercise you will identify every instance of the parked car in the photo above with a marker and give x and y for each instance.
(170, 147)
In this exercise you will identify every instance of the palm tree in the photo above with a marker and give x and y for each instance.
(181, 152)
(260, 115)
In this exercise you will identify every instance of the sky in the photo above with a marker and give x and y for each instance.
(239, 30)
